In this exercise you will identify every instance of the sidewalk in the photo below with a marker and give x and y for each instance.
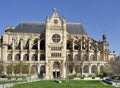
(9, 85)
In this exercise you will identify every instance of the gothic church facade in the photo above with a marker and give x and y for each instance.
(54, 48)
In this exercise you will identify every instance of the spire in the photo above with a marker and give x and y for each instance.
(104, 37)
(55, 10)
(64, 19)
(47, 18)
(55, 14)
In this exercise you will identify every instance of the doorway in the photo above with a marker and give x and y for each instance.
(56, 74)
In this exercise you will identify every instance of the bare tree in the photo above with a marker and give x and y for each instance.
(114, 66)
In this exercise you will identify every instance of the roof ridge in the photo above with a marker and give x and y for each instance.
(73, 23)
(32, 23)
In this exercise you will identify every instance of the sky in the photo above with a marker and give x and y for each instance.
(98, 17)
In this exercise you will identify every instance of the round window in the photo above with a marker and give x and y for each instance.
(56, 38)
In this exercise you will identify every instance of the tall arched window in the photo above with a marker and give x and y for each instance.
(94, 69)
(42, 57)
(34, 57)
(27, 44)
(85, 58)
(26, 57)
(42, 69)
(9, 69)
(102, 68)
(77, 68)
(69, 45)
(9, 57)
(34, 68)
(77, 57)
(42, 44)
(92, 58)
(98, 57)
(17, 57)
(86, 69)
(35, 44)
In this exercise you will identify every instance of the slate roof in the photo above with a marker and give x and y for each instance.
(72, 28)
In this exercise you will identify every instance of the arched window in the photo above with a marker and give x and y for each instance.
(92, 58)
(102, 68)
(35, 44)
(9, 57)
(94, 69)
(19, 45)
(42, 57)
(86, 69)
(17, 57)
(25, 69)
(77, 57)
(27, 44)
(69, 57)
(34, 57)
(34, 68)
(76, 47)
(42, 44)
(78, 69)
(69, 45)
(42, 69)
(56, 65)
(85, 58)
(26, 57)
(98, 57)
(9, 69)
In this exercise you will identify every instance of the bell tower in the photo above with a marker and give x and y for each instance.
(55, 44)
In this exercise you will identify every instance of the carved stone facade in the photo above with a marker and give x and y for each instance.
(53, 47)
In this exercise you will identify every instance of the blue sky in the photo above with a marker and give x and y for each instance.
(97, 16)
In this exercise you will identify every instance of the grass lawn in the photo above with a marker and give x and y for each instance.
(71, 84)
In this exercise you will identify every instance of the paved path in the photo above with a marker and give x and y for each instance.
(6, 85)
(9, 85)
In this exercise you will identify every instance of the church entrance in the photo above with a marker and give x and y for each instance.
(56, 70)
(56, 74)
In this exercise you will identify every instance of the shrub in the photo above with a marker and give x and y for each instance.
(82, 76)
(72, 76)
(3, 76)
(100, 75)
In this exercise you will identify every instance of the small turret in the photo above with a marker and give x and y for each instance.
(104, 37)
(64, 21)
(47, 20)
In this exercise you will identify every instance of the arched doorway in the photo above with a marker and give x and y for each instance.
(56, 70)
(42, 71)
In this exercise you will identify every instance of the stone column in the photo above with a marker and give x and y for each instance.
(13, 45)
(29, 44)
(89, 68)
(73, 45)
(21, 56)
(38, 44)
(21, 44)
(47, 69)
(98, 68)
(29, 70)
(4, 53)
(5, 69)
(38, 56)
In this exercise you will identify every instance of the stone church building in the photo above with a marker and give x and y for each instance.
(54, 48)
